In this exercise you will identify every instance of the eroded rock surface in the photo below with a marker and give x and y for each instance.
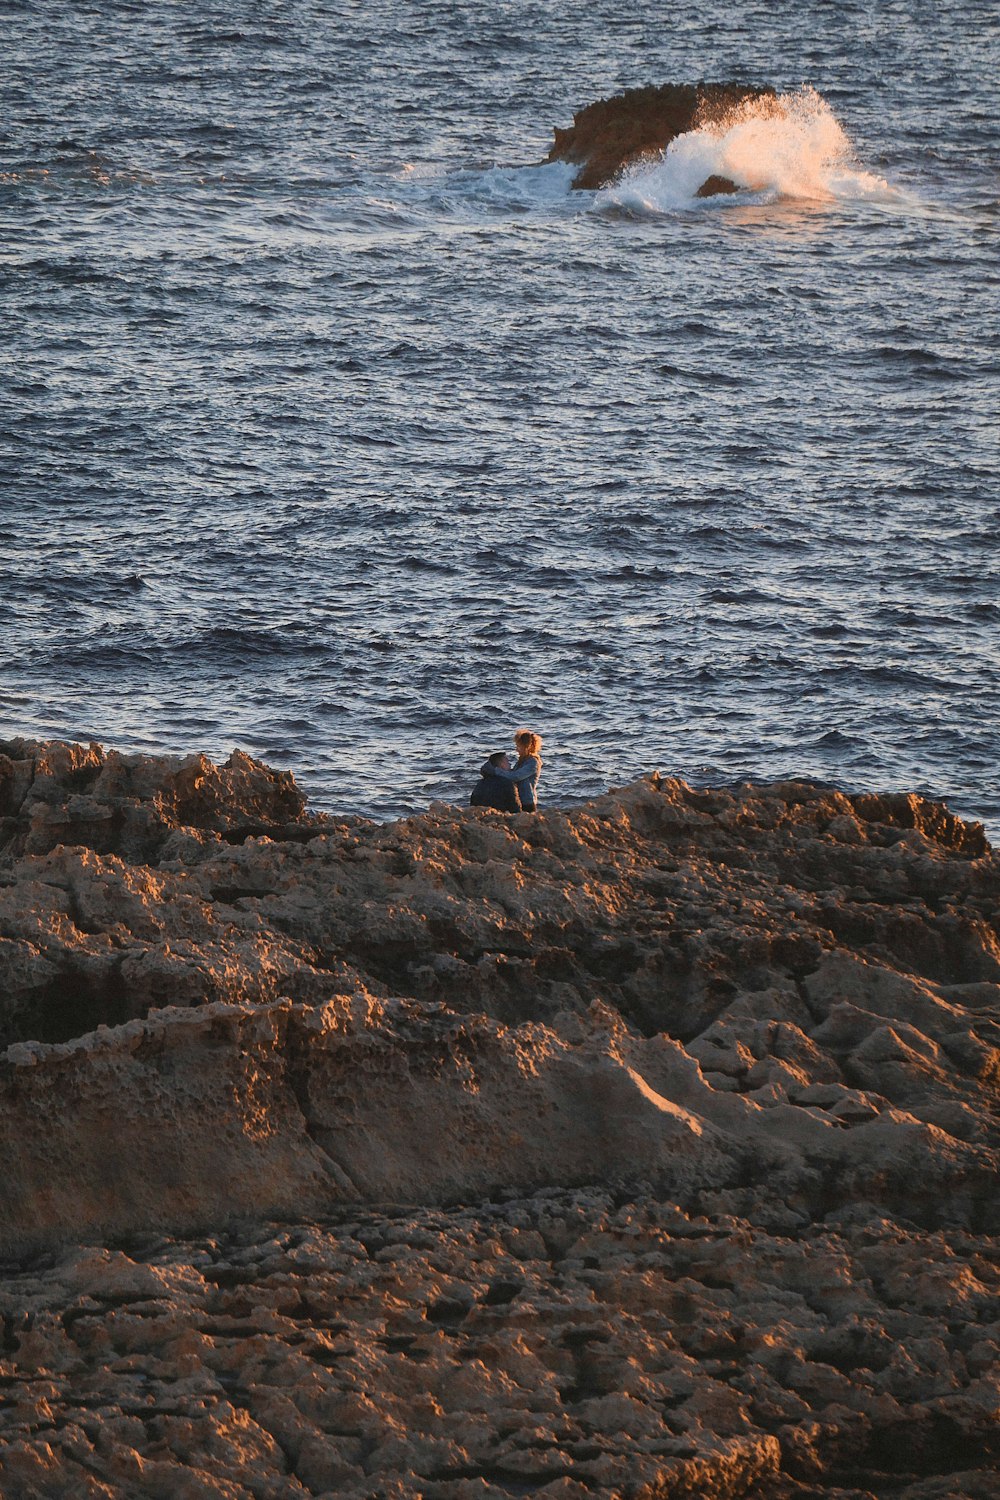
(52, 792)
(715, 1075)
(612, 134)
(565, 1345)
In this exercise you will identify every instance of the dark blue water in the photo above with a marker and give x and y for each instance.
(334, 429)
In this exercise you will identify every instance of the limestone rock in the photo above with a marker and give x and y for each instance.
(572, 1343)
(637, 125)
(58, 793)
(686, 1101)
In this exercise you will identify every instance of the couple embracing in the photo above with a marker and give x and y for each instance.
(511, 788)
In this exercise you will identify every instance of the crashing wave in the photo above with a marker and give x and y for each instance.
(659, 148)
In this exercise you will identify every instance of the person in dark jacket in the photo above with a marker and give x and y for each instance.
(491, 791)
(527, 769)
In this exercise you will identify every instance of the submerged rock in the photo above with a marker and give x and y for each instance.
(639, 124)
(716, 186)
(715, 1074)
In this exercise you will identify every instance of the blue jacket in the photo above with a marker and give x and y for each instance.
(525, 776)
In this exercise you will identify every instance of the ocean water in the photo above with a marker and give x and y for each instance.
(337, 428)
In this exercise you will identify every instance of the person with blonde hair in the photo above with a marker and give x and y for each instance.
(526, 772)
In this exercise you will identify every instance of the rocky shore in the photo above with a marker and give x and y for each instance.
(646, 1148)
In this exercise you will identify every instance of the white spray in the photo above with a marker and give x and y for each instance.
(790, 146)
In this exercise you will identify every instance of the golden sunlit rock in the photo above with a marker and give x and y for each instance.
(647, 1147)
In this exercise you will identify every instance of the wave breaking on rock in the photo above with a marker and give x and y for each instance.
(653, 150)
(637, 125)
(660, 1133)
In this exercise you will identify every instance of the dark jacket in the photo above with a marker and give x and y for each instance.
(525, 777)
(492, 791)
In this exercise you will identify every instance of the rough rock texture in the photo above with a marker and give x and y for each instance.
(566, 1345)
(686, 1101)
(54, 793)
(637, 125)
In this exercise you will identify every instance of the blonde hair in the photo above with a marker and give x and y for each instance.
(528, 743)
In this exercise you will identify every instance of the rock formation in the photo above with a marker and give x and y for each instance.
(645, 1148)
(639, 124)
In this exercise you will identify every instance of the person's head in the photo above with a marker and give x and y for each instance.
(527, 743)
(499, 758)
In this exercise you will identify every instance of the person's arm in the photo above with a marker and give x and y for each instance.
(527, 772)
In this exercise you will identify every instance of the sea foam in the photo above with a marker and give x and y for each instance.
(791, 146)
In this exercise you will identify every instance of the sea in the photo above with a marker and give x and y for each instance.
(337, 427)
